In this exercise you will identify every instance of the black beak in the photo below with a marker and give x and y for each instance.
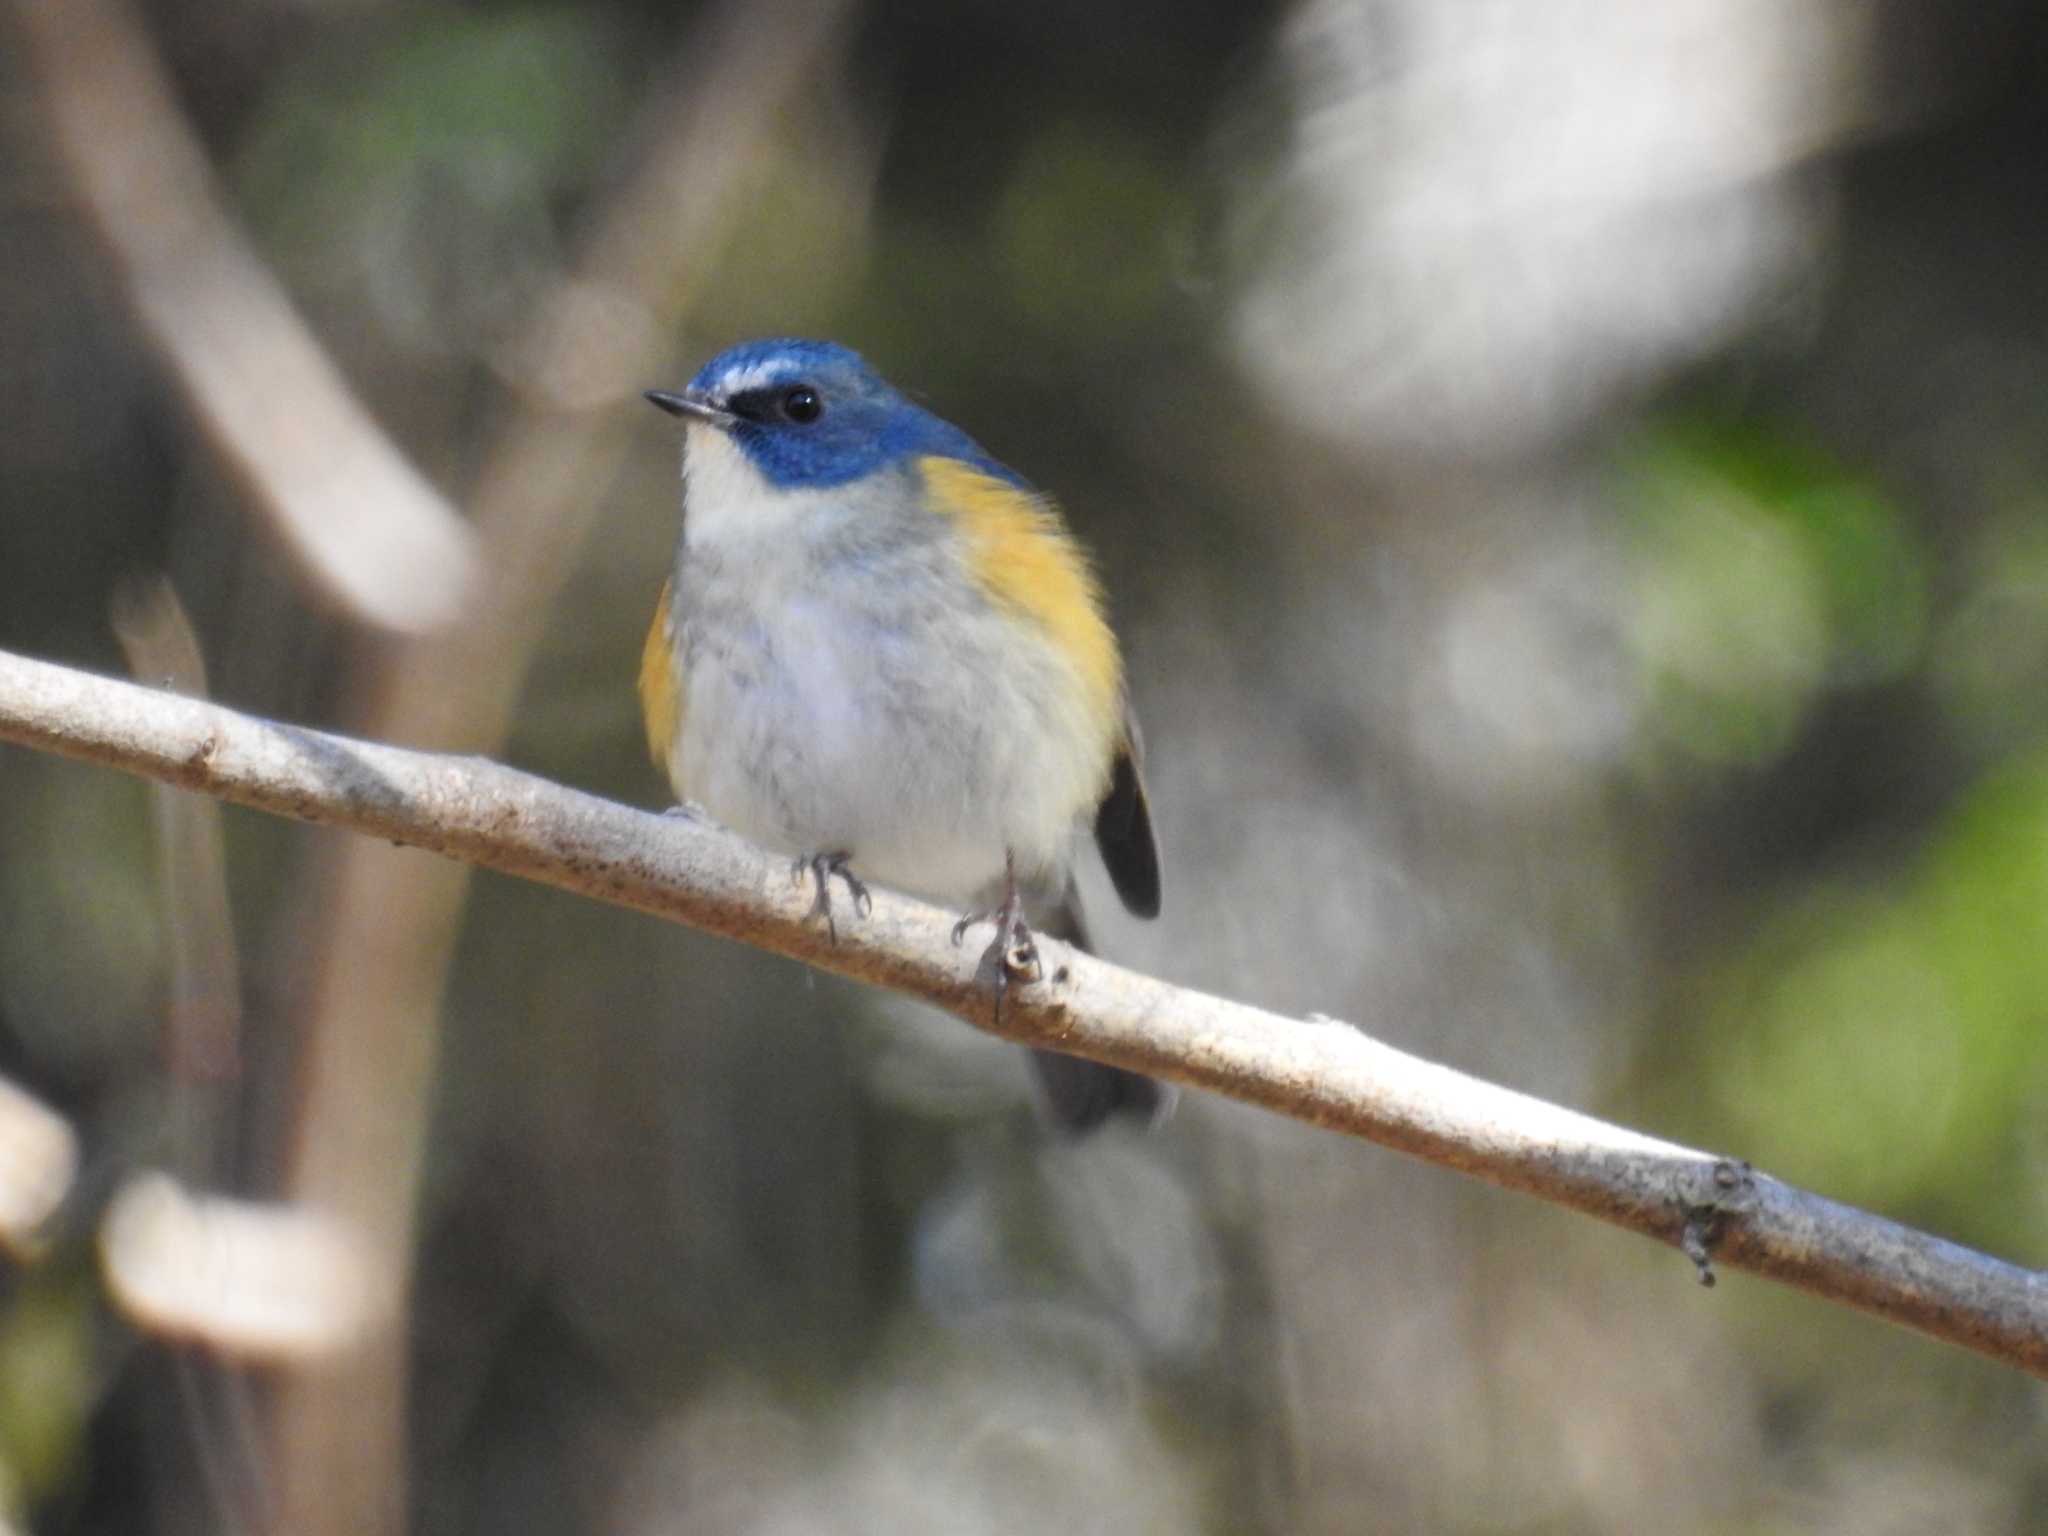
(691, 407)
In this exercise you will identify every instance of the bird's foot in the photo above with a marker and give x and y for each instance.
(1012, 955)
(822, 867)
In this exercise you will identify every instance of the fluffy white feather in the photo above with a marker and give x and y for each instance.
(848, 690)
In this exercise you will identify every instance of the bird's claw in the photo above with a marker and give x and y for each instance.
(1012, 955)
(822, 867)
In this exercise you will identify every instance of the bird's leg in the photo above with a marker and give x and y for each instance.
(1014, 949)
(823, 866)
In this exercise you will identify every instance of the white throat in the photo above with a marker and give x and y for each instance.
(726, 500)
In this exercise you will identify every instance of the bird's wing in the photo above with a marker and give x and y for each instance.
(1123, 827)
(661, 694)
(1020, 552)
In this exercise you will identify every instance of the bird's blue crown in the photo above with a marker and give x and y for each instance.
(813, 414)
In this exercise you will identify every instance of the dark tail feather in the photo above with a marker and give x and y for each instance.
(1082, 1095)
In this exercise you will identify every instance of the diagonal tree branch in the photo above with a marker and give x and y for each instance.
(1325, 1073)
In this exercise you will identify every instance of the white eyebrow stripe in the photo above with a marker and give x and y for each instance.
(753, 376)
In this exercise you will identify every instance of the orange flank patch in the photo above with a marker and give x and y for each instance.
(661, 702)
(1021, 552)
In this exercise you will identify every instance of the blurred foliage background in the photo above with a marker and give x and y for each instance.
(1572, 482)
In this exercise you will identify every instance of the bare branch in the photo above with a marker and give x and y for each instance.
(204, 1016)
(1324, 1073)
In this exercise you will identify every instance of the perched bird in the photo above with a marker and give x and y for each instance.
(881, 652)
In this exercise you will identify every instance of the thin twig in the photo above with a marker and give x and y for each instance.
(1717, 1210)
(203, 1050)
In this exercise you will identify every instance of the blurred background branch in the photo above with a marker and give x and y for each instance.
(366, 526)
(1321, 1071)
(228, 1278)
(38, 1161)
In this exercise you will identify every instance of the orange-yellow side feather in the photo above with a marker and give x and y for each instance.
(1020, 551)
(661, 701)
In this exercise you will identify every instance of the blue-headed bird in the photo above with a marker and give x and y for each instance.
(881, 652)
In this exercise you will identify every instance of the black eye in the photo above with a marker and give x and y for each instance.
(800, 403)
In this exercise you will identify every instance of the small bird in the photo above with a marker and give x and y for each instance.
(881, 652)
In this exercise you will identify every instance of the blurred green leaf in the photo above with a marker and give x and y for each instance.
(529, 83)
(1763, 574)
(1992, 653)
(45, 1385)
(1081, 232)
(422, 179)
(1883, 1042)
(82, 950)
